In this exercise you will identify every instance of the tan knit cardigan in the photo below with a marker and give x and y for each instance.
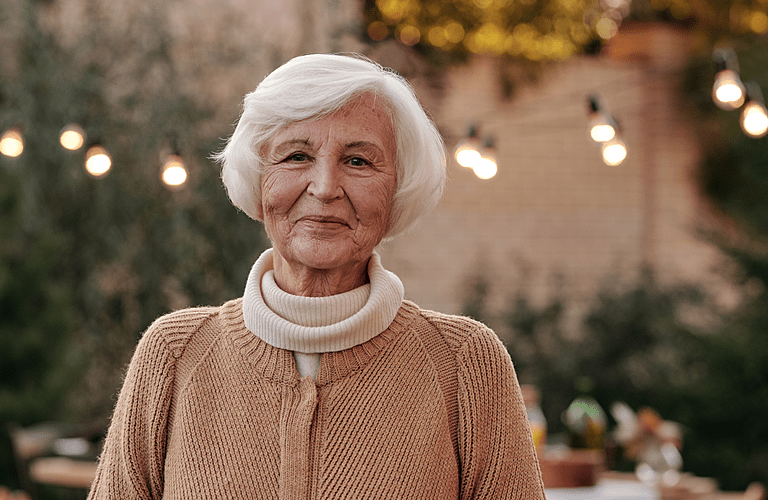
(230, 418)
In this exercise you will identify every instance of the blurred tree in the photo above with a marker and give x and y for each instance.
(727, 407)
(546, 30)
(85, 263)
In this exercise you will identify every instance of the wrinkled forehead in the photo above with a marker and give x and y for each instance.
(366, 114)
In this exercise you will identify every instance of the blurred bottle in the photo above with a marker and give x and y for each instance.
(585, 419)
(535, 416)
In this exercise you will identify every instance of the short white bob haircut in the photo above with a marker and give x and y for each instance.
(316, 85)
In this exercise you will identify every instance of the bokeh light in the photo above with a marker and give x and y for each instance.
(72, 137)
(466, 156)
(602, 132)
(454, 32)
(614, 152)
(754, 119)
(378, 31)
(12, 143)
(409, 35)
(485, 167)
(518, 28)
(758, 22)
(606, 28)
(97, 161)
(174, 172)
(728, 90)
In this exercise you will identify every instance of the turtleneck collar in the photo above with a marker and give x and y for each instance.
(319, 324)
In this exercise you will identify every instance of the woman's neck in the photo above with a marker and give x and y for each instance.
(309, 282)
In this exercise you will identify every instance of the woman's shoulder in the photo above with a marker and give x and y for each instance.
(173, 330)
(458, 331)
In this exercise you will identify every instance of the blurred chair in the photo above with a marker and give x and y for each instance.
(28, 443)
(6, 494)
(54, 456)
(755, 491)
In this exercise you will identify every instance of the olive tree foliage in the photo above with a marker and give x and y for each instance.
(545, 30)
(86, 264)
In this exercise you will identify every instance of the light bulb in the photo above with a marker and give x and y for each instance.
(485, 167)
(602, 132)
(174, 173)
(466, 155)
(601, 128)
(754, 119)
(467, 151)
(728, 90)
(614, 152)
(97, 161)
(12, 143)
(72, 137)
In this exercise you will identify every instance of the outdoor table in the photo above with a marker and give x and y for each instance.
(63, 471)
(606, 489)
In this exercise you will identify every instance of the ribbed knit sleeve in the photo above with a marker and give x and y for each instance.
(131, 464)
(495, 443)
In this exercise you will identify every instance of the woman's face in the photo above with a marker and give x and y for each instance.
(328, 185)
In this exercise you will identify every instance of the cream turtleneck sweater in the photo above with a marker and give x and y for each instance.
(309, 326)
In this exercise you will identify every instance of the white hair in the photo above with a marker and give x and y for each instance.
(315, 85)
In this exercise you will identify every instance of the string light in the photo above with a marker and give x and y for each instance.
(467, 151)
(72, 137)
(604, 130)
(614, 152)
(12, 143)
(754, 120)
(481, 158)
(728, 90)
(174, 173)
(754, 117)
(602, 127)
(485, 166)
(97, 161)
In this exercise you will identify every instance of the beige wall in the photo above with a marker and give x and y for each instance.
(554, 207)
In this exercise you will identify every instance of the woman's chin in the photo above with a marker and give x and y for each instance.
(326, 255)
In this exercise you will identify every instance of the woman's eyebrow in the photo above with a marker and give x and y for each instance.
(292, 143)
(359, 144)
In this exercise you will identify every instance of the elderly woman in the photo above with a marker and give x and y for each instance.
(321, 381)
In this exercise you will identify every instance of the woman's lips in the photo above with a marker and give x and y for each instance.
(323, 220)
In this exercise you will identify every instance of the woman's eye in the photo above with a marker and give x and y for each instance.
(358, 162)
(298, 158)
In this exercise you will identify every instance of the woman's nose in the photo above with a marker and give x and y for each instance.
(325, 181)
